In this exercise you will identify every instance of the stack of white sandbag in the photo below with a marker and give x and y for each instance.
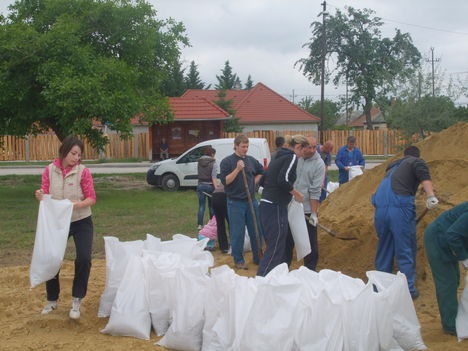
(146, 283)
(167, 285)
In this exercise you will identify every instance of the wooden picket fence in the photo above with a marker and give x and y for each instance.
(371, 142)
(45, 147)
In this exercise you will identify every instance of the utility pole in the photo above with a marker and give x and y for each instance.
(322, 78)
(293, 97)
(432, 60)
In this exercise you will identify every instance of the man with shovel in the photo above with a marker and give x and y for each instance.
(395, 214)
(310, 173)
(233, 168)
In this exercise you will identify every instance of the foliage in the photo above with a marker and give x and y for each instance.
(66, 63)
(249, 83)
(193, 80)
(369, 62)
(227, 80)
(231, 125)
(174, 84)
(418, 116)
(331, 110)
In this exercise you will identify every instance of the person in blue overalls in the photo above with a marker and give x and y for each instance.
(347, 156)
(395, 214)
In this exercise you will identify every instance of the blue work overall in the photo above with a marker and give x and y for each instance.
(395, 223)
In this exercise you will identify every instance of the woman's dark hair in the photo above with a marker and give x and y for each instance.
(209, 151)
(279, 141)
(67, 145)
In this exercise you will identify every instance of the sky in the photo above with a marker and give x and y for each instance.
(264, 38)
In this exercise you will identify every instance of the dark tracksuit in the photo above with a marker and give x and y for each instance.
(219, 202)
(395, 217)
(446, 243)
(277, 185)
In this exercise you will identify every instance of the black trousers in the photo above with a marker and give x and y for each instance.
(82, 232)
(219, 203)
(310, 261)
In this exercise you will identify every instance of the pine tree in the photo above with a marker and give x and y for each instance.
(227, 79)
(174, 84)
(231, 125)
(192, 80)
(249, 83)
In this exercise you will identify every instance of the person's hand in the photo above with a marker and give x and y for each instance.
(465, 264)
(240, 165)
(346, 168)
(39, 194)
(298, 197)
(313, 219)
(260, 190)
(76, 204)
(431, 202)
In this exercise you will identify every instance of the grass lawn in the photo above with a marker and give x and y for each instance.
(126, 207)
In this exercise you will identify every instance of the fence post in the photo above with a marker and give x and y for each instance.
(385, 143)
(26, 146)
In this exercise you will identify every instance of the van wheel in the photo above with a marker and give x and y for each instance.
(170, 182)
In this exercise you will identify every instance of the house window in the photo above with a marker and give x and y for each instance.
(176, 133)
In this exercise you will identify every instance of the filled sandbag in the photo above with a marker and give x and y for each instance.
(118, 255)
(53, 225)
(130, 311)
(354, 171)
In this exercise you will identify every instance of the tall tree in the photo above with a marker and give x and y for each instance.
(231, 125)
(331, 114)
(369, 62)
(227, 79)
(237, 84)
(66, 63)
(249, 83)
(174, 83)
(193, 80)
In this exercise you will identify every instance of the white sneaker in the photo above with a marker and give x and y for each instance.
(199, 227)
(51, 306)
(75, 310)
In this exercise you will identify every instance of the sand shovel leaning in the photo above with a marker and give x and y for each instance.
(254, 217)
(332, 233)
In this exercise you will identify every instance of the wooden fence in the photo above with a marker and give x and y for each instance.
(371, 142)
(45, 147)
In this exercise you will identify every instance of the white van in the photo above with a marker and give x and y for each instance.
(183, 170)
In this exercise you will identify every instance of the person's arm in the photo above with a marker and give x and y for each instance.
(286, 173)
(339, 160)
(297, 195)
(456, 235)
(231, 176)
(45, 185)
(427, 186)
(259, 171)
(316, 179)
(87, 186)
(214, 174)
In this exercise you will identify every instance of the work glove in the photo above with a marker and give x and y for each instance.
(260, 190)
(465, 264)
(431, 202)
(313, 219)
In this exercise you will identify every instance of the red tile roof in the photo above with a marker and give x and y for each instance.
(259, 105)
(193, 109)
(359, 122)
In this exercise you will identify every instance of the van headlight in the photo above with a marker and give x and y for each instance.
(154, 167)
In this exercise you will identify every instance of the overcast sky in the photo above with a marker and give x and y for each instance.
(264, 38)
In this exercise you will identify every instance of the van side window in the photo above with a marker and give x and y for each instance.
(193, 155)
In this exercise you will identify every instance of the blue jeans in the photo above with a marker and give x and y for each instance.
(240, 216)
(207, 188)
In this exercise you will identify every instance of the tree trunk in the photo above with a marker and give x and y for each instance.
(367, 111)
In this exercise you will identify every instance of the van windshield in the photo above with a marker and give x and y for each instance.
(193, 155)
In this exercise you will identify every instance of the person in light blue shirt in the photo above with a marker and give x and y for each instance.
(347, 156)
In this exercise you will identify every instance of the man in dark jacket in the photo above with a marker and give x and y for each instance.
(239, 211)
(395, 214)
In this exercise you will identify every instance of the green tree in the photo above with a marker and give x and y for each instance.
(417, 116)
(331, 110)
(66, 63)
(369, 62)
(231, 125)
(193, 80)
(227, 79)
(249, 83)
(174, 83)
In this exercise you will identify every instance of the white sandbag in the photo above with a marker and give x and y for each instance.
(187, 304)
(53, 225)
(271, 318)
(118, 255)
(461, 321)
(247, 245)
(354, 171)
(298, 228)
(160, 270)
(221, 282)
(130, 311)
(152, 242)
(332, 186)
(406, 327)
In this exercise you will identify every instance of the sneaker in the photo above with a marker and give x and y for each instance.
(75, 310)
(51, 306)
(199, 227)
(241, 266)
